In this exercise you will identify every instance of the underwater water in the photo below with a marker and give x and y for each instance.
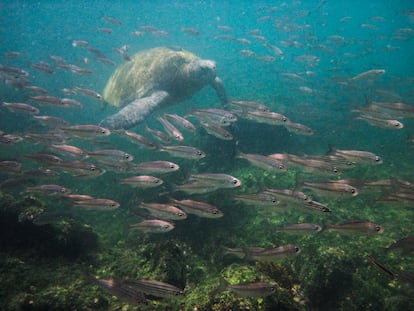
(301, 183)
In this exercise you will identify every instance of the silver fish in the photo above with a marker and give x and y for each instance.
(198, 208)
(301, 228)
(143, 181)
(186, 152)
(159, 167)
(164, 211)
(153, 226)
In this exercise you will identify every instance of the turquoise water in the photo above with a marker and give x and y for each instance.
(318, 48)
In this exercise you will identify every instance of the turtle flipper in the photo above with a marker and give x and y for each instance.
(218, 86)
(135, 112)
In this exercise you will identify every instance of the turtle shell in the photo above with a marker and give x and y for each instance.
(151, 70)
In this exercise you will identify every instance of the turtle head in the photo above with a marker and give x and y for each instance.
(201, 70)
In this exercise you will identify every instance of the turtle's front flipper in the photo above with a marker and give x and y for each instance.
(135, 112)
(218, 86)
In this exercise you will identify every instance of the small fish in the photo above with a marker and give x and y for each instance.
(271, 254)
(119, 289)
(44, 67)
(382, 123)
(218, 117)
(159, 167)
(98, 204)
(250, 106)
(180, 121)
(141, 140)
(217, 131)
(357, 156)
(21, 108)
(112, 20)
(356, 226)
(298, 128)
(186, 152)
(201, 209)
(196, 187)
(81, 43)
(190, 31)
(264, 162)
(88, 92)
(267, 117)
(164, 211)
(105, 30)
(10, 139)
(47, 100)
(10, 166)
(44, 158)
(50, 190)
(252, 289)
(261, 199)
(332, 188)
(36, 89)
(142, 181)
(46, 138)
(110, 155)
(301, 228)
(171, 129)
(216, 180)
(153, 226)
(73, 197)
(52, 122)
(41, 173)
(156, 288)
(69, 102)
(315, 206)
(315, 166)
(123, 51)
(69, 150)
(137, 33)
(79, 168)
(161, 136)
(368, 75)
(287, 196)
(86, 131)
(75, 69)
(404, 245)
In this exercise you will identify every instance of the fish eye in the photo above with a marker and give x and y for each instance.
(166, 226)
(316, 228)
(377, 228)
(234, 181)
(92, 168)
(353, 190)
(156, 181)
(180, 214)
(335, 170)
(377, 159)
(284, 119)
(281, 167)
(126, 155)
(215, 212)
(172, 166)
(199, 153)
(103, 131)
(297, 249)
(397, 124)
(272, 288)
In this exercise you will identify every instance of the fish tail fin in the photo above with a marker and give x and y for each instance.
(331, 149)
(221, 287)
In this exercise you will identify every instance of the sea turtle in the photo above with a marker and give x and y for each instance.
(155, 78)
